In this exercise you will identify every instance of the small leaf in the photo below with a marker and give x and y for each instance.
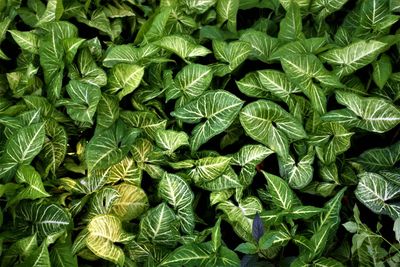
(291, 25)
(374, 114)
(171, 140)
(84, 100)
(281, 195)
(247, 248)
(124, 78)
(374, 192)
(220, 114)
(271, 125)
(354, 56)
(226, 12)
(258, 228)
(182, 46)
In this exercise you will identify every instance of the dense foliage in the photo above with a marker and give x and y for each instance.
(199, 133)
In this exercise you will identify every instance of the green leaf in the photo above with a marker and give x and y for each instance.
(84, 99)
(54, 147)
(171, 140)
(327, 262)
(124, 79)
(379, 158)
(374, 192)
(331, 139)
(26, 174)
(209, 168)
(182, 46)
(248, 157)
(238, 215)
(103, 232)
(231, 54)
(107, 110)
(382, 70)
(291, 25)
(43, 219)
(274, 238)
(278, 84)
(53, 12)
(268, 123)
(26, 40)
(306, 71)
(190, 82)
(61, 255)
(303, 212)
(110, 146)
(282, 196)
(129, 54)
(39, 258)
(226, 12)
(132, 202)
(159, 226)
(175, 191)
(298, 173)
(149, 122)
(188, 255)
(354, 56)
(251, 85)
(373, 114)
(219, 114)
(125, 170)
(262, 44)
(247, 248)
(21, 148)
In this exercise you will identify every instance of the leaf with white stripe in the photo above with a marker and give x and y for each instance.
(103, 232)
(129, 54)
(183, 46)
(26, 40)
(230, 54)
(348, 59)
(132, 202)
(373, 114)
(190, 82)
(43, 219)
(107, 110)
(282, 196)
(84, 99)
(278, 84)
(176, 192)
(170, 140)
(220, 108)
(21, 148)
(226, 12)
(247, 158)
(148, 121)
(377, 159)
(298, 173)
(208, 168)
(27, 175)
(189, 255)
(124, 79)
(269, 124)
(262, 44)
(291, 25)
(306, 70)
(331, 139)
(159, 226)
(110, 146)
(375, 192)
(54, 147)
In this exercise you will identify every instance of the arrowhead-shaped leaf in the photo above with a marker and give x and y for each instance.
(219, 107)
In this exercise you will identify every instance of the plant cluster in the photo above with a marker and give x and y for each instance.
(199, 133)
